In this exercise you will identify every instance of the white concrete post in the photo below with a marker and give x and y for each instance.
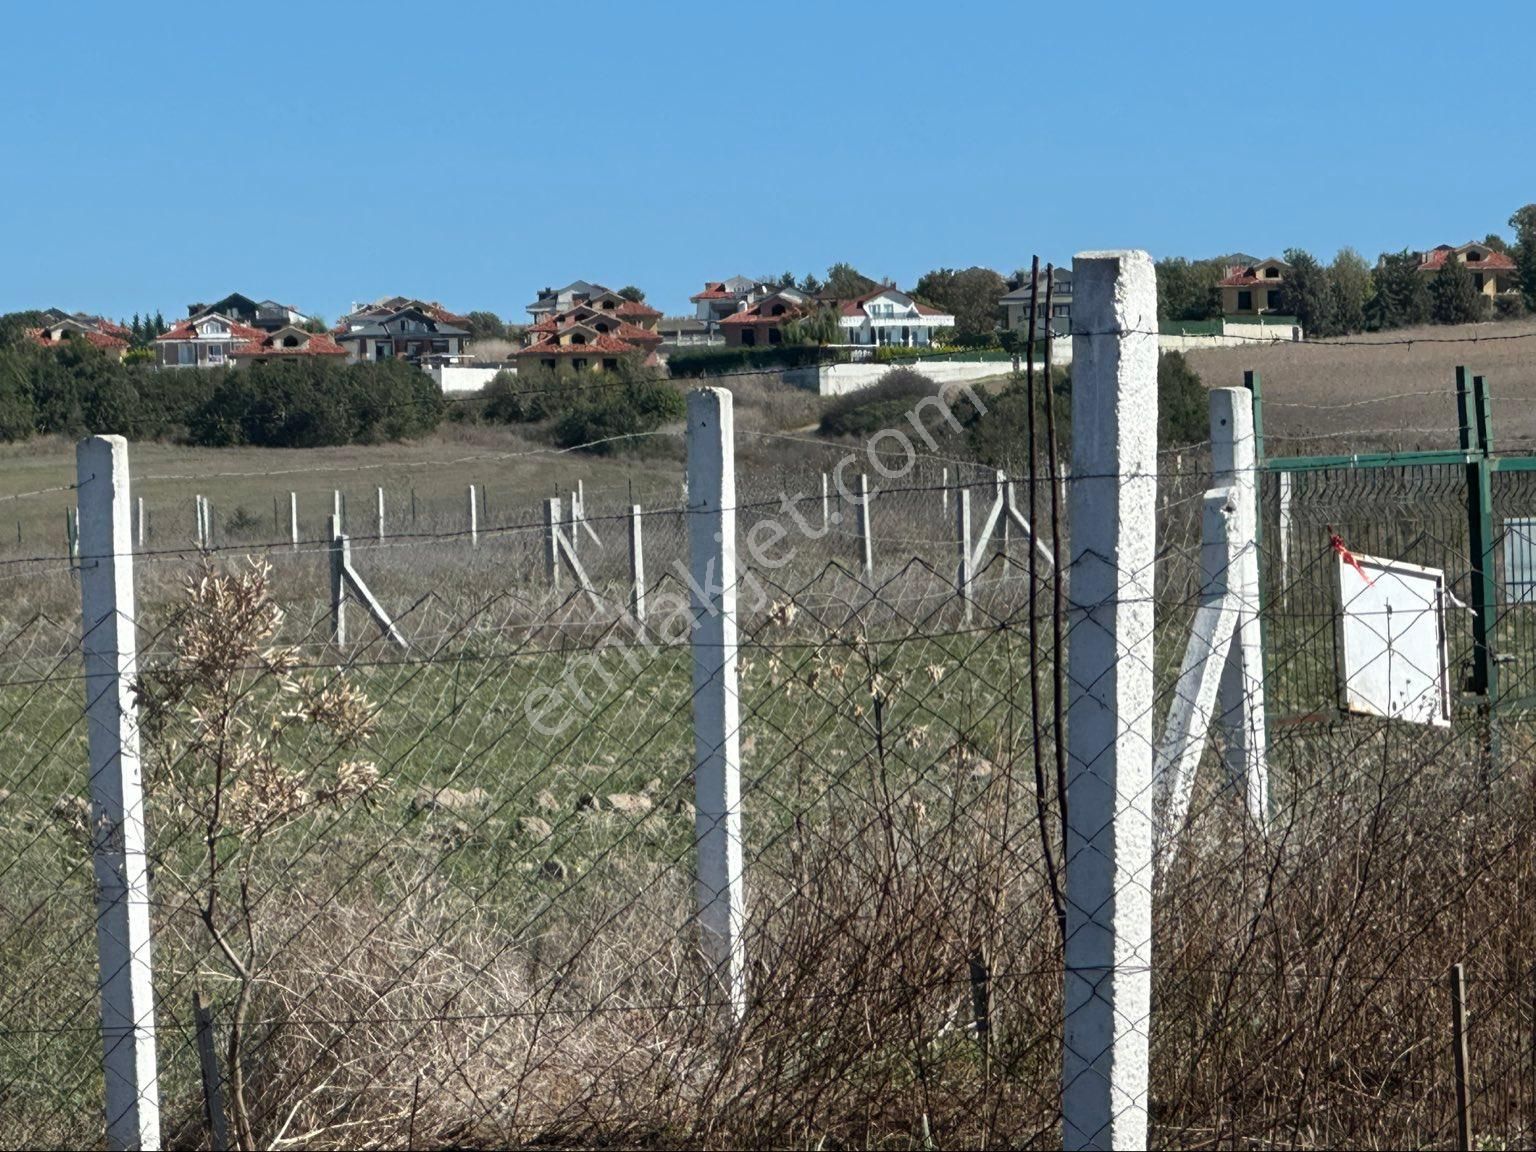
(866, 542)
(716, 703)
(72, 534)
(338, 512)
(1108, 988)
(944, 490)
(474, 520)
(636, 565)
(110, 646)
(200, 532)
(963, 574)
(552, 541)
(1240, 701)
(1001, 497)
(1285, 532)
(575, 519)
(293, 519)
(826, 502)
(379, 512)
(339, 557)
(139, 532)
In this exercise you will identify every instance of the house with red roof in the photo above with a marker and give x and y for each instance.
(416, 332)
(761, 324)
(111, 338)
(1253, 289)
(890, 316)
(1493, 272)
(287, 343)
(204, 341)
(580, 346)
(720, 298)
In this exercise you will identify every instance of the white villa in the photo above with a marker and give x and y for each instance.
(890, 316)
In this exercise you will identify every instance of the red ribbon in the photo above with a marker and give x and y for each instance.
(1348, 557)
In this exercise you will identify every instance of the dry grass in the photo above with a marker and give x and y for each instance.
(1402, 394)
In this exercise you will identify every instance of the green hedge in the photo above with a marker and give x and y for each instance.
(690, 362)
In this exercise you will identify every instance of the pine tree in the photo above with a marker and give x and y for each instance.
(137, 329)
(1524, 224)
(1306, 294)
(160, 328)
(1454, 298)
(1398, 296)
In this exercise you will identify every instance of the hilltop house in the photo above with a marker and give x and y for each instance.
(268, 315)
(1253, 289)
(593, 334)
(285, 343)
(414, 332)
(1016, 304)
(100, 333)
(889, 316)
(552, 300)
(762, 323)
(204, 341)
(722, 297)
(1493, 273)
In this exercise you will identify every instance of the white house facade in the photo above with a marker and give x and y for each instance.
(890, 316)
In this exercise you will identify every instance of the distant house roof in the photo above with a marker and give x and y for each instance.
(1242, 275)
(275, 344)
(388, 306)
(548, 298)
(597, 342)
(1434, 259)
(1061, 285)
(762, 311)
(732, 289)
(187, 330)
(682, 324)
(93, 330)
(855, 307)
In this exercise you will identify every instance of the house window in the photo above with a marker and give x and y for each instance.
(1272, 300)
(579, 364)
(1477, 280)
(1271, 273)
(215, 353)
(1061, 310)
(1245, 301)
(186, 354)
(578, 338)
(290, 341)
(610, 364)
(1474, 255)
(550, 364)
(778, 310)
(748, 338)
(775, 336)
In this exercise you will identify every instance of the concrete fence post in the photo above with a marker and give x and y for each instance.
(1240, 699)
(552, 541)
(293, 520)
(1112, 503)
(963, 574)
(139, 526)
(110, 646)
(1001, 498)
(339, 557)
(944, 490)
(575, 521)
(474, 520)
(379, 512)
(866, 541)
(338, 510)
(826, 502)
(636, 565)
(716, 701)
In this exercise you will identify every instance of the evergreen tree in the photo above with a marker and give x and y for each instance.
(1524, 224)
(137, 328)
(1349, 281)
(160, 328)
(1454, 298)
(1398, 295)
(1306, 294)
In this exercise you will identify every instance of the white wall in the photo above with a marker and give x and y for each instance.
(836, 379)
(459, 378)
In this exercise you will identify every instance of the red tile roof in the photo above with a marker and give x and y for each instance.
(1498, 261)
(585, 315)
(855, 307)
(599, 343)
(635, 308)
(318, 344)
(103, 340)
(714, 290)
(185, 331)
(1242, 275)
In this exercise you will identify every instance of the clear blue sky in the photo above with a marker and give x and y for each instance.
(158, 154)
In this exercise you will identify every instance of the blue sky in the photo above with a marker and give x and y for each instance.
(472, 153)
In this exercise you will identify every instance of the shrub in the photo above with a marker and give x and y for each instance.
(1509, 306)
(882, 404)
(635, 400)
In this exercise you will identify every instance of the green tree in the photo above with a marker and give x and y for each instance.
(1349, 281)
(845, 282)
(812, 286)
(1453, 295)
(315, 324)
(14, 325)
(973, 296)
(1524, 224)
(1398, 295)
(1306, 295)
(486, 326)
(1186, 289)
(630, 292)
(1495, 243)
(821, 325)
(160, 326)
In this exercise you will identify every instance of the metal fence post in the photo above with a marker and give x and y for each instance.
(117, 802)
(1472, 413)
(716, 702)
(1108, 949)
